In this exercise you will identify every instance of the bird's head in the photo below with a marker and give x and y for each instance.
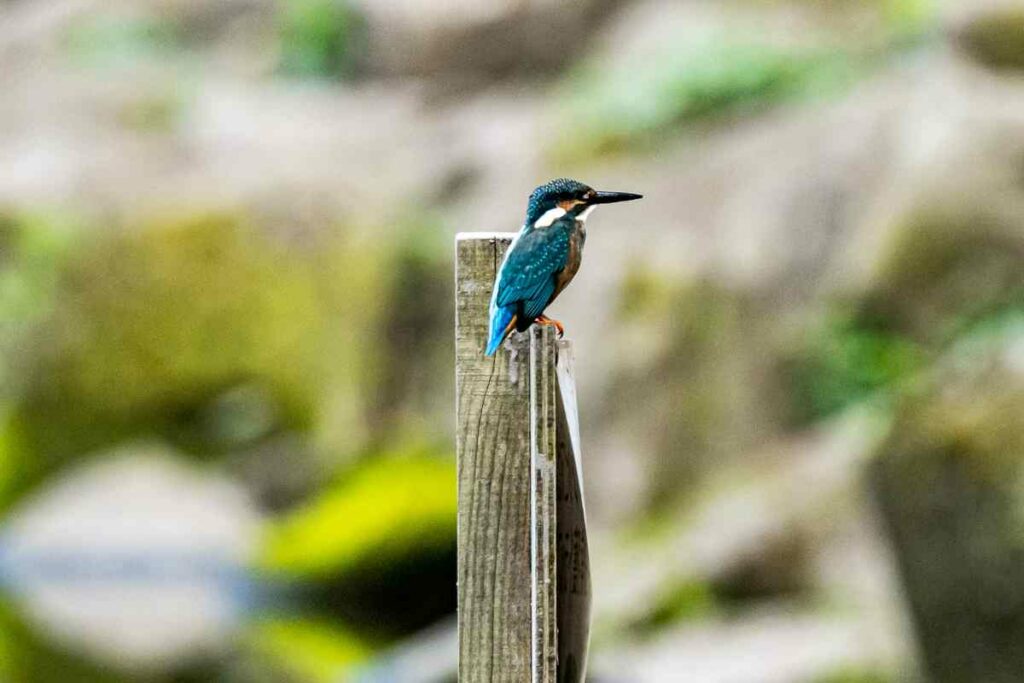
(562, 196)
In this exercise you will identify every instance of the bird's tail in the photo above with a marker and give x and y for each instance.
(502, 322)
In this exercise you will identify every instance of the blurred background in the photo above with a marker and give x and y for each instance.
(226, 330)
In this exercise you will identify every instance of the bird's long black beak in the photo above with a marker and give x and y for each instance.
(613, 197)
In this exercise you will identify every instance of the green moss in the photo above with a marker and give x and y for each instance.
(182, 304)
(318, 37)
(389, 509)
(153, 323)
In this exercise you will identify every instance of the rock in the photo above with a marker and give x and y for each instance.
(477, 41)
(994, 36)
(950, 481)
(704, 389)
(140, 590)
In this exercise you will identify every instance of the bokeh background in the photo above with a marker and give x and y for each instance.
(226, 330)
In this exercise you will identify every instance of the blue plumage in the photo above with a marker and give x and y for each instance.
(527, 278)
(544, 256)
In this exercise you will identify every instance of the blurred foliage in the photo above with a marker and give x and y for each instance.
(941, 279)
(377, 549)
(112, 39)
(996, 38)
(688, 600)
(318, 37)
(908, 19)
(7, 652)
(390, 507)
(633, 105)
(943, 272)
(841, 362)
(307, 650)
(29, 658)
(33, 247)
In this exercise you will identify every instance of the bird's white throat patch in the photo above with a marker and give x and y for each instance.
(549, 217)
(552, 215)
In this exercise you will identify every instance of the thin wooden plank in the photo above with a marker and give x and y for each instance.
(574, 593)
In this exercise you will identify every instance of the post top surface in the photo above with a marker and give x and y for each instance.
(463, 236)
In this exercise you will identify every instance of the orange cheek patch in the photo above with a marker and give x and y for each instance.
(567, 204)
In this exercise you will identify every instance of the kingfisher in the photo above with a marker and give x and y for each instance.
(544, 257)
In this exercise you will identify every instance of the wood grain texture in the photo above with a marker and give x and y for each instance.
(543, 503)
(523, 572)
(493, 452)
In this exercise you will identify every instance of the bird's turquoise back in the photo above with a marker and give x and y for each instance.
(527, 278)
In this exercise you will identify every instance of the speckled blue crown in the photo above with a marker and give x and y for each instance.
(545, 196)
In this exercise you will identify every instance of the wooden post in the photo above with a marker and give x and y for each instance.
(522, 570)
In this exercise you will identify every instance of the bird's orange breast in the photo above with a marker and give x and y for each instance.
(572, 262)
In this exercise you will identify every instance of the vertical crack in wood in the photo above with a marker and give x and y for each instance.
(543, 502)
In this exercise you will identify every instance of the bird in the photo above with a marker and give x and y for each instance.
(544, 256)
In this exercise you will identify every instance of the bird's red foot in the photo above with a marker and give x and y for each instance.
(544, 320)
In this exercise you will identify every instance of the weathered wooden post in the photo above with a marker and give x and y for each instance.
(523, 573)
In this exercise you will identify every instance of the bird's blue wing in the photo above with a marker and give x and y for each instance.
(529, 273)
(527, 278)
